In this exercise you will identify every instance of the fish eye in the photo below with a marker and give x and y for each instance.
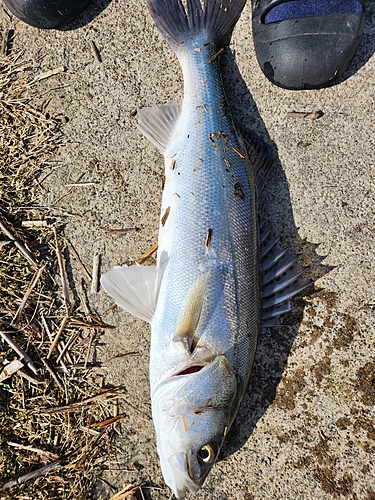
(207, 454)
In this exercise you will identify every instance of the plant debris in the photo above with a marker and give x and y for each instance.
(55, 416)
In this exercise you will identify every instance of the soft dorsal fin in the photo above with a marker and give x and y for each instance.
(188, 322)
(260, 159)
(157, 123)
(134, 288)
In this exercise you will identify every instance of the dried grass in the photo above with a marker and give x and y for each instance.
(30, 434)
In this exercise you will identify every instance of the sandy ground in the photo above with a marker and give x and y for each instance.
(306, 427)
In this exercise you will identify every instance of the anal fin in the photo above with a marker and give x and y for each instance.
(282, 278)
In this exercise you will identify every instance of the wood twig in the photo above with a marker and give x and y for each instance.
(305, 115)
(21, 247)
(67, 355)
(81, 184)
(68, 191)
(147, 254)
(80, 263)
(47, 74)
(99, 322)
(83, 298)
(3, 243)
(31, 475)
(216, 55)
(95, 273)
(47, 329)
(119, 356)
(92, 336)
(109, 421)
(28, 377)
(110, 308)
(7, 14)
(57, 337)
(34, 223)
(80, 366)
(95, 51)
(67, 345)
(80, 323)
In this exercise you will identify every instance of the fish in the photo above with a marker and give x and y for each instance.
(220, 275)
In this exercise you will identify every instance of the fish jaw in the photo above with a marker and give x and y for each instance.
(192, 413)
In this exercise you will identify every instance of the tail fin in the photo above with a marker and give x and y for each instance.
(215, 19)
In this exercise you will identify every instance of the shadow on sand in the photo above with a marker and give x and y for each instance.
(275, 205)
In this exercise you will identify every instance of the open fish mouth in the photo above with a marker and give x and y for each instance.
(190, 369)
(200, 358)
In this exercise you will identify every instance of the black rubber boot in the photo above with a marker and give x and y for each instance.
(46, 14)
(306, 52)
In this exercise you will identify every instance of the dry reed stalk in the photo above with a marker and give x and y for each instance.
(46, 455)
(31, 475)
(127, 491)
(34, 281)
(54, 376)
(4, 43)
(106, 393)
(10, 369)
(80, 263)
(64, 284)
(8, 339)
(4, 226)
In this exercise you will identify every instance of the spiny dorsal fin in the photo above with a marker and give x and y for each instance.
(134, 288)
(157, 123)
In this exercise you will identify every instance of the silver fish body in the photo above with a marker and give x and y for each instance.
(208, 239)
(208, 312)
(203, 298)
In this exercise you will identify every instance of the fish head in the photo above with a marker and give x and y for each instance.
(192, 412)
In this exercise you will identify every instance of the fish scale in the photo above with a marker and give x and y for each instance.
(203, 298)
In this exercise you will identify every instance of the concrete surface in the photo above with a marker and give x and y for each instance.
(306, 428)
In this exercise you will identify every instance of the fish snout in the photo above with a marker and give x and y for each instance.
(181, 478)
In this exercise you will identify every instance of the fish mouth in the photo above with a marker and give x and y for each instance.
(200, 358)
(195, 368)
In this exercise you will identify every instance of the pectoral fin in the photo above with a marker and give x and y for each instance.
(187, 326)
(134, 288)
(157, 123)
